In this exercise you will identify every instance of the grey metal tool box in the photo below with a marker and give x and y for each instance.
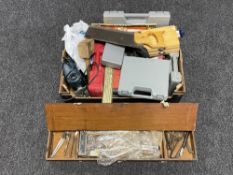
(145, 78)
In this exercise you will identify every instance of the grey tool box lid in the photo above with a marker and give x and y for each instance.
(145, 78)
(160, 18)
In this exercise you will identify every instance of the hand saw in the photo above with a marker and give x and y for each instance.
(148, 43)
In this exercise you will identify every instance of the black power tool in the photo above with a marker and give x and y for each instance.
(73, 76)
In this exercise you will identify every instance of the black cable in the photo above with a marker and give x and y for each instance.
(69, 99)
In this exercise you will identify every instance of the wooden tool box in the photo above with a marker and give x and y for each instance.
(127, 114)
(121, 116)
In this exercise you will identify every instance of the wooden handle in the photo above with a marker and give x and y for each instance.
(151, 38)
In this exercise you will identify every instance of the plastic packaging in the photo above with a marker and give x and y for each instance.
(73, 35)
(111, 146)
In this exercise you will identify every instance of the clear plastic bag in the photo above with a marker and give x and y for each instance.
(111, 146)
(73, 35)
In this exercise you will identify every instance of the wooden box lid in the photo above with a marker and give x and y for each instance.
(121, 116)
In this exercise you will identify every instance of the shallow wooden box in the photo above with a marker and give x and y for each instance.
(66, 93)
(121, 116)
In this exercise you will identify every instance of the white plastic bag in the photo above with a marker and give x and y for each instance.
(73, 35)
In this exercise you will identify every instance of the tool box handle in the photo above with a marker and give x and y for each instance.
(136, 17)
(142, 92)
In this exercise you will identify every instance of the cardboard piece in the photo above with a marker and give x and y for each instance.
(86, 48)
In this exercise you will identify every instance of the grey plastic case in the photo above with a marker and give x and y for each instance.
(160, 18)
(145, 78)
(176, 76)
(113, 55)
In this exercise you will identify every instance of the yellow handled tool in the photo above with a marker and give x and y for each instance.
(158, 39)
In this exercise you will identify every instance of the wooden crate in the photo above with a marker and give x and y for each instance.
(69, 93)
